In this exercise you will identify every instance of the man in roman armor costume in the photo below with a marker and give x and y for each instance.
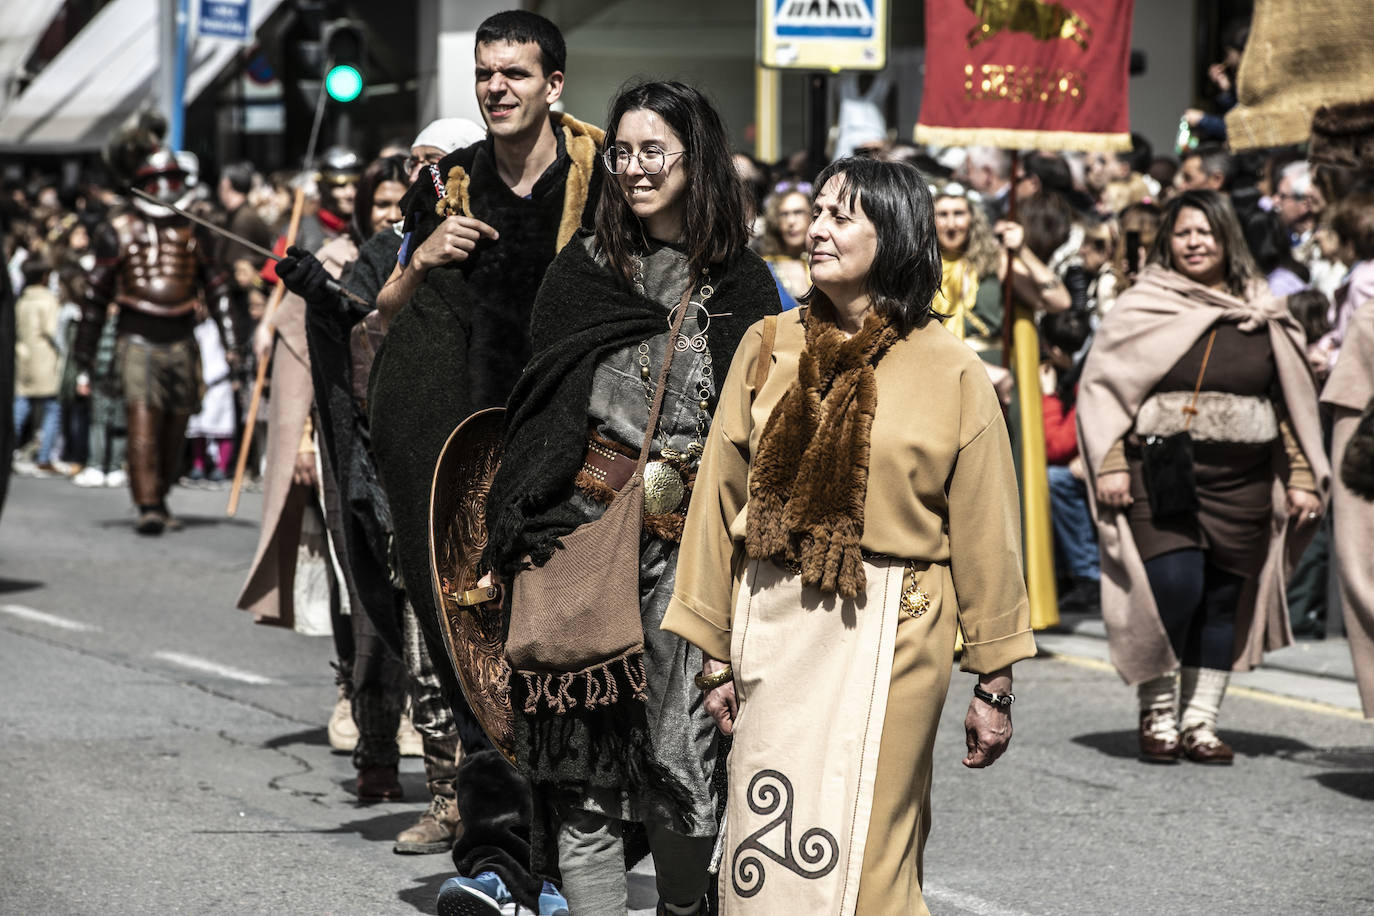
(152, 264)
(481, 228)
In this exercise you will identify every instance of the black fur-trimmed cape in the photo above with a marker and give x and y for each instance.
(462, 341)
(582, 315)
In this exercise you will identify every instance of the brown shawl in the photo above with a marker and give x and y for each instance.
(1152, 325)
(810, 476)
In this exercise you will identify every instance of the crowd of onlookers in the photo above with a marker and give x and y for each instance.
(1090, 218)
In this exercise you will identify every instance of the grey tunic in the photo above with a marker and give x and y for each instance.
(683, 734)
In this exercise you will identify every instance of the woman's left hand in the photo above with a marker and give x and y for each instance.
(1303, 507)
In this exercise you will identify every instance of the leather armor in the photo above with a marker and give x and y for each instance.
(157, 270)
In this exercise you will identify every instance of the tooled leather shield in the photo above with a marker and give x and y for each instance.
(471, 619)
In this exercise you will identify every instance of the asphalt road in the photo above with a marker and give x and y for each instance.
(159, 753)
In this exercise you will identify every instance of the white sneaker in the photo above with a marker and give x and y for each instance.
(90, 477)
(117, 478)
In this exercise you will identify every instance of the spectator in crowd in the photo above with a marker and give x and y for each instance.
(1101, 241)
(37, 364)
(971, 265)
(109, 429)
(1353, 224)
(1063, 335)
(1211, 127)
(1294, 198)
(786, 216)
(1271, 246)
(1139, 226)
(989, 173)
(1207, 168)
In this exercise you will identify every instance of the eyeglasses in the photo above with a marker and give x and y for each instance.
(651, 160)
(412, 163)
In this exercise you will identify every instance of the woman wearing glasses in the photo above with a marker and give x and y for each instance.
(640, 759)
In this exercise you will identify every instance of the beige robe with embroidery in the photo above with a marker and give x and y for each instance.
(942, 492)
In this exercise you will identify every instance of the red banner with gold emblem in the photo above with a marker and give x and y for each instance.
(1027, 74)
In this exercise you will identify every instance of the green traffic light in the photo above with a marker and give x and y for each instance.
(343, 83)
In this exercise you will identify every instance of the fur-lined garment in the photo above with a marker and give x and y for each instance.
(462, 341)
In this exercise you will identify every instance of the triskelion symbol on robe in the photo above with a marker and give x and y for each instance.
(771, 792)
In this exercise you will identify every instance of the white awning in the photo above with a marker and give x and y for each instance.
(105, 73)
(25, 22)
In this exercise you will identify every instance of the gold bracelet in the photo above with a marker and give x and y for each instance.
(708, 682)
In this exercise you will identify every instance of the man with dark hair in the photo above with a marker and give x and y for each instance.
(1207, 168)
(481, 228)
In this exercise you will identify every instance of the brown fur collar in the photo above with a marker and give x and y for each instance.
(583, 144)
(810, 476)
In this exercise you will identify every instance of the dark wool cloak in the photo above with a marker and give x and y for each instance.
(343, 430)
(582, 316)
(462, 341)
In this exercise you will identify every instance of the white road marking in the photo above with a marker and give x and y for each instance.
(202, 664)
(967, 902)
(52, 620)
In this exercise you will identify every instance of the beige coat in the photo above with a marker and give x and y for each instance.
(941, 490)
(1347, 392)
(267, 592)
(1152, 325)
(37, 362)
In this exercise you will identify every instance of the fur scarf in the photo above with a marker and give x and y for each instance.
(810, 477)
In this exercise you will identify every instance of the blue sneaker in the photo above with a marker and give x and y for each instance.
(551, 902)
(484, 895)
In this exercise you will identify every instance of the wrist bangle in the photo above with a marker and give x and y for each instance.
(1000, 700)
(708, 682)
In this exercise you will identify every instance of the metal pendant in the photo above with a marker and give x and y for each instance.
(664, 488)
(915, 601)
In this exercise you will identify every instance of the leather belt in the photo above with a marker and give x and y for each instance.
(608, 466)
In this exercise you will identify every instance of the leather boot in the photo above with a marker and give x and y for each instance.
(435, 832)
(143, 424)
(379, 784)
(171, 445)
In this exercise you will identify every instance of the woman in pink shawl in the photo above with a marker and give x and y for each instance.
(1189, 597)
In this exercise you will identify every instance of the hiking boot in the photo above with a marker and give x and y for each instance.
(379, 784)
(484, 895)
(435, 832)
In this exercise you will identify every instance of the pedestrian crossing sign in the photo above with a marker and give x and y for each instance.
(823, 34)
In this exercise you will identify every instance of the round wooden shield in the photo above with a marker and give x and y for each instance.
(471, 619)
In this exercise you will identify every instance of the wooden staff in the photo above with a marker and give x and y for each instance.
(269, 314)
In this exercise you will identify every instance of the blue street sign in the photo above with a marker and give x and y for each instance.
(224, 19)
